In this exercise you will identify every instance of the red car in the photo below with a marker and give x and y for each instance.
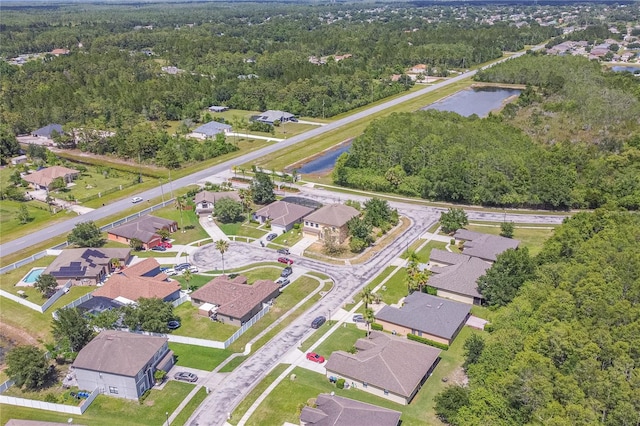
(166, 244)
(285, 260)
(312, 356)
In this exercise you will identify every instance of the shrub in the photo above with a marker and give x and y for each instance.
(376, 327)
(427, 342)
(50, 398)
(340, 383)
(144, 396)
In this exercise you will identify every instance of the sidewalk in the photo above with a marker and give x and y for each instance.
(212, 229)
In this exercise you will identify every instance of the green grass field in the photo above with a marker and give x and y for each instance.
(198, 356)
(531, 237)
(40, 217)
(199, 326)
(107, 411)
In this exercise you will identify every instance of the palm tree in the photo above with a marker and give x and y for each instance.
(369, 318)
(222, 246)
(294, 175)
(367, 296)
(187, 275)
(422, 278)
(115, 262)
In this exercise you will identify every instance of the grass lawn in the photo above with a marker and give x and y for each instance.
(287, 239)
(198, 356)
(92, 182)
(199, 326)
(191, 406)
(425, 252)
(531, 237)
(187, 221)
(196, 281)
(9, 280)
(264, 273)
(40, 217)
(256, 392)
(282, 404)
(242, 229)
(377, 280)
(341, 340)
(396, 287)
(108, 411)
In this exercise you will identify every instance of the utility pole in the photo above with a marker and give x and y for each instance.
(162, 191)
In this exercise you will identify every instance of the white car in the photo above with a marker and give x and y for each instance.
(193, 269)
(171, 272)
(136, 199)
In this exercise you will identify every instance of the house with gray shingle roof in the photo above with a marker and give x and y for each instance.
(458, 280)
(332, 217)
(122, 364)
(206, 200)
(271, 116)
(144, 228)
(333, 410)
(484, 246)
(282, 215)
(47, 131)
(427, 316)
(388, 366)
(210, 130)
(43, 178)
(86, 266)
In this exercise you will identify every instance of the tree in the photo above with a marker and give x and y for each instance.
(360, 229)
(369, 318)
(105, 320)
(505, 277)
(58, 184)
(149, 315)
(262, 189)
(136, 244)
(367, 296)
(72, 329)
(23, 215)
(46, 284)
(450, 401)
(86, 234)
(164, 233)
(330, 242)
(187, 275)
(222, 246)
(377, 212)
(27, 366)
(228, 210)
(473, 348)
(453, 220)
(9, 146)
(506, 229)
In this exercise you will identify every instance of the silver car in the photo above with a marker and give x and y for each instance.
(185, 377)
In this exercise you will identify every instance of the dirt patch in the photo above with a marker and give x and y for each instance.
(458, 377)
(16, 335)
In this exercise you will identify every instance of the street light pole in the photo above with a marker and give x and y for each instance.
(166, 413)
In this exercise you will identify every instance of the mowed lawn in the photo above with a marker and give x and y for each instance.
(284, 401)
(198, 356)
(110, 411)
(531, 237)
(199, 326)
(39, 217)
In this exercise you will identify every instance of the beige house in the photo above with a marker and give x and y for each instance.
(387, 366)
(144, 228)
(332, 217)
(206, 200)
(42, 179)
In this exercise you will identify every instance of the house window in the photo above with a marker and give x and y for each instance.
(386, 392)
(306, 223)
(365, 384)
(113, 389)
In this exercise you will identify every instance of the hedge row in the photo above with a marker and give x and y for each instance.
(427, 342)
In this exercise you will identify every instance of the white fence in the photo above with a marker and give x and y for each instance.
(196, 342)
(246, 326)
(75, 303)
(35, 306)
(184, 298)
(49, 406)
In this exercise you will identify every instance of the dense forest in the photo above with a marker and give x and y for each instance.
(571, 140)
(250, 57)
(566, 350)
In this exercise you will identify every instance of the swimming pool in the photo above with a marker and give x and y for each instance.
(33, 275)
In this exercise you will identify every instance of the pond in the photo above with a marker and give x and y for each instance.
(621, 68)
(480, 101)
(326, 161)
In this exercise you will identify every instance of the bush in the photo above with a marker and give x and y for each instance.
(144, 396)
(51, 398)
(376, 327)
(427, 342)
(340, 383)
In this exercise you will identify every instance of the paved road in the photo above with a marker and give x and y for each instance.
(118, 206)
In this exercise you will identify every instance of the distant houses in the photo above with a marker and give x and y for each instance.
(47, 131)
(210, 130)
(206, 200)
(271, 116)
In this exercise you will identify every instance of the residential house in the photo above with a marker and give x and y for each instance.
(43, 178)
(96, 305)
(387, 366)
(122, 364)
(418, 69)
(86, 266)
(58, 52)
(426, 316)
(144, 228)
(233, 300)
(331, 218)
(330, 410)
(217, 108)
(206, 200)
(210, 130)
(282, 215)
(142, 280)
(484, 246)
(271, 116)
(20, 159)
(455, 276)
(47, 131)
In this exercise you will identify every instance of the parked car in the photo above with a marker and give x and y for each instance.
(136, 200)
(283, 251)
(271, 236)
(172, 325)
(312, 356)
(193, 269)
(358, 318)
(158, 248)
(182, 266)
(285, 260)
(316, 323)
(286, 272)
(185, 376)
(166, 244)
(283, 281)
(170, 271)
(210, 218)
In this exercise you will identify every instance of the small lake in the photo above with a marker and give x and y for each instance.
(326, 161)
(480, 101)
(622, 68)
